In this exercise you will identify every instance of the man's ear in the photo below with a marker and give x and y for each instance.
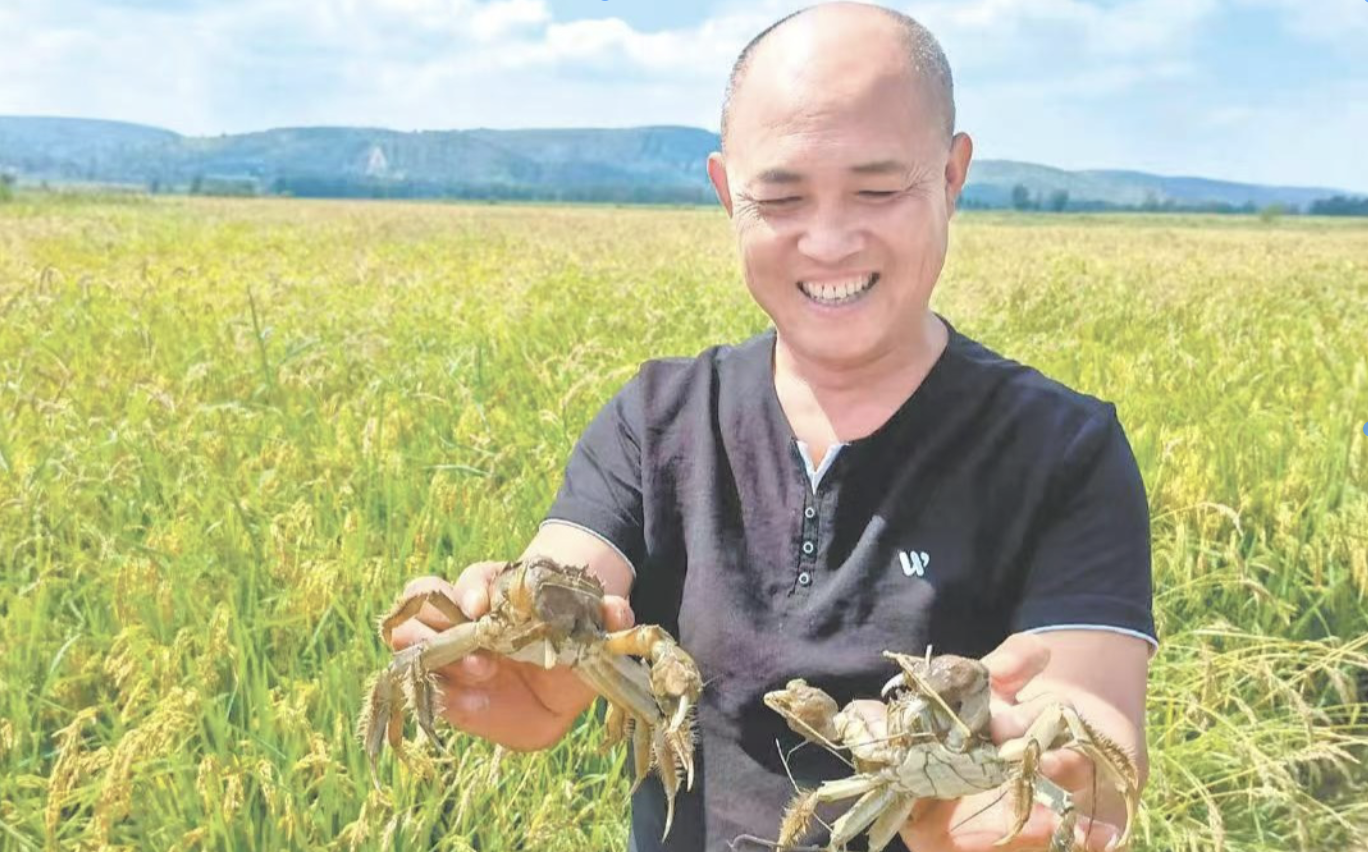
(957, 169)
(717, 174)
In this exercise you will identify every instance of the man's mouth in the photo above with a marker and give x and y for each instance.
(838, 291)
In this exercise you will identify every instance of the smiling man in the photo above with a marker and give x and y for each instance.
(862, 477)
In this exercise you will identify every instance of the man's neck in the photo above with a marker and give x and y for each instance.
(827, 404)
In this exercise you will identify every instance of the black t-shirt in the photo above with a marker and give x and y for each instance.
(993, 501)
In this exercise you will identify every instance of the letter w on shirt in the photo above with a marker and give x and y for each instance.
(914, 563)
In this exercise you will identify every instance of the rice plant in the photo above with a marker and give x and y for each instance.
(231, 430)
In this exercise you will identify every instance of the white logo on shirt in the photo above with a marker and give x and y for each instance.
(914, 563)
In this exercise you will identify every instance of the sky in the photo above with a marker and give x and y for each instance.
(1261, 91)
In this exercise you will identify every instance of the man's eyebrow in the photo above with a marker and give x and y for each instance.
(880, 167)
(778, 176)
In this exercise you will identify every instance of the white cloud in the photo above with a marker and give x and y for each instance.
(95, 65)
(137, 61)
(495, 20)
(704, 51)
(1069, 82)
(1060, 34)
(1063, 38)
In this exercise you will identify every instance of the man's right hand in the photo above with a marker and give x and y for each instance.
(519, 705)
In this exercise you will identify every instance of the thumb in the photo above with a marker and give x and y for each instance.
(617, 613)
(1014, 663)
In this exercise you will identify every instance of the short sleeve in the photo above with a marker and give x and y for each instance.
(601, 492)
(1091, 567)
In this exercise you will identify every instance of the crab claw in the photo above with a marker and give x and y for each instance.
(382, 718)
(422, 696)
(681, 713)
(378, 721)
(894, 683)
(680, 736)
(674, 675)
(408, 676)
(675, 680)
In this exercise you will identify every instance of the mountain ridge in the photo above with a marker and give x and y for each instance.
(648, 163)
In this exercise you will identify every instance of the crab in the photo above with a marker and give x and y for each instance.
(937, 746)
(549, 614)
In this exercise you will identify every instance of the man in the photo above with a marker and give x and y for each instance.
(861, 478)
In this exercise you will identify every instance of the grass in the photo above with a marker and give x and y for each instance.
(231, 430)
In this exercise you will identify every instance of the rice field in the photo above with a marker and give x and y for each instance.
(231, 430)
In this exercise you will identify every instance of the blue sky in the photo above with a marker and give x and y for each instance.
(1266, 91)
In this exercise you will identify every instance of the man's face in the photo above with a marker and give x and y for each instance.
(840, 196)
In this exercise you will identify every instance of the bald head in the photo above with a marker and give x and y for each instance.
(859, 29)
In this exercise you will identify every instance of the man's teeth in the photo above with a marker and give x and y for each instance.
(836, 291)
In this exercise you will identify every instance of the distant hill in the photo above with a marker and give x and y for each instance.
(992, 181)
(647, 164)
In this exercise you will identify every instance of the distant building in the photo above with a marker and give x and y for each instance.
(377, 165)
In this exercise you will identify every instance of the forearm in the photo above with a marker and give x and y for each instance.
(573, 546)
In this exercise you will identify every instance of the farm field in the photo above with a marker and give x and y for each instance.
(231, 430)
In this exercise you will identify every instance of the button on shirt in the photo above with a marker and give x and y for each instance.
(994, 500)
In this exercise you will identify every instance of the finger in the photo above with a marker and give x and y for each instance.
(1040, 829)
(559, 689)
(471, 591)
(1039, 832)
(502, 710)
(977, 824)
(507, 710)
(1015, 662)
(472, 670)
(1009, 721)
(1070, 769)
(617, 613)
(409, 633)
(429, 614)
(1095, 835)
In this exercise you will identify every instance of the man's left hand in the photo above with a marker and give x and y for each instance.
(976, 823)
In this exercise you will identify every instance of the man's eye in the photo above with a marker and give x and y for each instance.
(779, 202)
(880, 193)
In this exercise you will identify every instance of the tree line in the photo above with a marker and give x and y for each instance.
(1058, 201)
(1021, 198)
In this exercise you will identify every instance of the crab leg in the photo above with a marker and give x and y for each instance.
(624, 688)
(616, 724)
(641, 753)
(890, 822)
(1061, 726)
(623, 682)
(407, 607)
(801, 810)
(409, 672)
(1057, 799)
(673, 672)
(864, 812)
(673, 678)
(617, 684)
(679, 735)
(379, 722)
(448, 646)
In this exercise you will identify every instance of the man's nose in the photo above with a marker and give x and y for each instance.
(830, 238)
